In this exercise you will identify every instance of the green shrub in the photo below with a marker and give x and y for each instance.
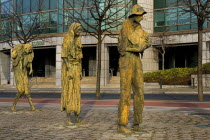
(174, 76)
(206, 66)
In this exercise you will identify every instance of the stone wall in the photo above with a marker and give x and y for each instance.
(206, 80)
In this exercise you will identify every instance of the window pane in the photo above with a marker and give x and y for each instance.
(171, 16)
(193, 1)
(68, 3)
(53, 30)
(35, 20)
(183, 17)
(26, 6)
(53, 18)
(159, 29)
(44, 5)
(193, 18)
(171, 3)
(67, 17)
(180, 3)
(44, 19)
(159, 4)
(26, 20)
(53, 4)
(194, 26)
(35, 5)
(5, 26)
(78, 3)
(134, 2)
(3, 1)
(6, 9)
(19, 6)
(44, 31)
(184, 27)
(159, 18)
(171, 28)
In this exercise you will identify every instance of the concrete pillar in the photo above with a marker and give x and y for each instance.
(104, 64)
(206, 52)
(4, 68)
(58, 66)
(12, 78)
(150, 60)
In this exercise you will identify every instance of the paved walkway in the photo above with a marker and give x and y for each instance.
(159, 123)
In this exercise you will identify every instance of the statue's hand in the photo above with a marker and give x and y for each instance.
(30, 72)
(70, 75)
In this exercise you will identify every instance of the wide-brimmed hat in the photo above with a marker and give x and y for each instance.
(137, 10)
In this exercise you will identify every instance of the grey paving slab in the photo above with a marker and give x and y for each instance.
(159, 123)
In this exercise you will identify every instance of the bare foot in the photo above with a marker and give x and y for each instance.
(136, 128)
(13, 109)
(69, 122)
(34, 109)
(122, 129)
(79, 121)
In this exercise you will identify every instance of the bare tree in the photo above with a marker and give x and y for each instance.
(99, 19)
(18, 26)
(201, 9)
(162, 46)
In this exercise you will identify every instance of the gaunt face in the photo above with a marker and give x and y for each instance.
(138, 18)
(78, 31)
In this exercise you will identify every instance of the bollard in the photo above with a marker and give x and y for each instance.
(111, 71)
(161, 83)
(83, 71)
(193, 82)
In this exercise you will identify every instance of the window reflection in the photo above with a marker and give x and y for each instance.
(172, 17)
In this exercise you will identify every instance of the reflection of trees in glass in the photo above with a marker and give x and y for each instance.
(18, 23)
(170, 13)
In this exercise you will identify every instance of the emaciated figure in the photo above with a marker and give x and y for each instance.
(22, 57)
(133, 40)
(71, 72)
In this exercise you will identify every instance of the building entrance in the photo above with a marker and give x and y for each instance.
(113, 61)
(89, 61)
(180, 57)
(44, 62)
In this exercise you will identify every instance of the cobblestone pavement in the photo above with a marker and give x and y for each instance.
(101, 123)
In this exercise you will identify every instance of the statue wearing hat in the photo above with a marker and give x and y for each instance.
(133, 40)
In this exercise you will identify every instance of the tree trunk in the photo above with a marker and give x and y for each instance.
(98, 75)
(163, 62)
(200, 80)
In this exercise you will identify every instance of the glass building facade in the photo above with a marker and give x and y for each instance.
(169, 16)
(53, 15)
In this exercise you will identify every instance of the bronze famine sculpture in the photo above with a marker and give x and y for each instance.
(71, 72)
(132, 41)
(22, 57)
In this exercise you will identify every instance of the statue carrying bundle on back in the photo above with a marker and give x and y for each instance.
(22, 57)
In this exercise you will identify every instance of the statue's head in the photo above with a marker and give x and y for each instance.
(137, 13)
(28, 48)
(75, 28)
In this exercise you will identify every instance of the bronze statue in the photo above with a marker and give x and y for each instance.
(22, 57)
(133, 40)
(71, 72)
